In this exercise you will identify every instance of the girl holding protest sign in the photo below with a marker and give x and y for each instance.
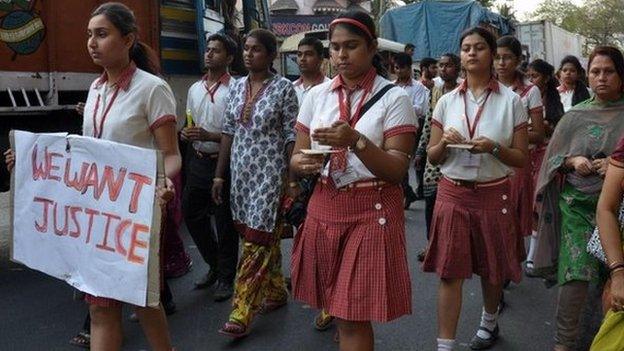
(127, 104)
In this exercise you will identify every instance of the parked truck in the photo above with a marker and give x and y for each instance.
(45, 68)
(544, 40)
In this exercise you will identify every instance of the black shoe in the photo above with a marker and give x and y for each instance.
(478, 343)
(223, 291)
(207, 280)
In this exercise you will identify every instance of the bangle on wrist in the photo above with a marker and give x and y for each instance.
(293, 184)
(496, 149)
(619, 269)
(612, 265)
(218, 180)
(616, 265)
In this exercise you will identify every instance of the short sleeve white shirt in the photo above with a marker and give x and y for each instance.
(302, 90)
(419, 96)
(128, 111)
(392, 115)
(503, 114)
(208, 110)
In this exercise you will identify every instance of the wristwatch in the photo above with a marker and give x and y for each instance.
(359, 145)
(496, 149)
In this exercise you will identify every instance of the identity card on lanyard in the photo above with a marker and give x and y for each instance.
(471, 162)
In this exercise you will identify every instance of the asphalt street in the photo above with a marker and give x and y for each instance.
(38, 312)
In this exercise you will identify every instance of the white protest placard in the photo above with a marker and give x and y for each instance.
(84, 211)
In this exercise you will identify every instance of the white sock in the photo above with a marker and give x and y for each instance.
(488, 321)
(445, 344)
(532, 245)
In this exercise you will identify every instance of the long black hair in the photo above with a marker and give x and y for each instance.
(551, 98)
(580, 90)
(367, 21)
(123, 19)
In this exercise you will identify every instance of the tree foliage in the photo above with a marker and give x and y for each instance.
(601, 21)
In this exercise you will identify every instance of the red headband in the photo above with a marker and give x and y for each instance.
(353, 22)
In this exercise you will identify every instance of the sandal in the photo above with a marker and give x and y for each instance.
(272, 305)
(82, 339)
(323, 321)
(234, 330)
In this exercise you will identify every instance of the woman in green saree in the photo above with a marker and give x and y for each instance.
(569, 184)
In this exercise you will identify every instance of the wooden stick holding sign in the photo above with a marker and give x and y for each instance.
(84, 210)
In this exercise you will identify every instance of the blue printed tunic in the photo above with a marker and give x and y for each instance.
(259, 161)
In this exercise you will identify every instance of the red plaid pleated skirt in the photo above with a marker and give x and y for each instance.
(350, 257)
(474, 231)
(522, 189)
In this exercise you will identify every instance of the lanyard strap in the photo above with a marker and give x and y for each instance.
(473, 128)
(212, 91)
(97, 132)
(345, 107)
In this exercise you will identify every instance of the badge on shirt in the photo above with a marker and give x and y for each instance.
(343, 178)
(470, 163)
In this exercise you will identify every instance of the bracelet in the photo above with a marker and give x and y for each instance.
(496, 149)
(615, 264)
(619, 269)
(618, 265)
(293, 184)
(218, 180)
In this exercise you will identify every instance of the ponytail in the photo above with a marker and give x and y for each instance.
(379, 66)
(145, 58)
(550, 96)
(122, 17)
(580, 92)
(552, 102)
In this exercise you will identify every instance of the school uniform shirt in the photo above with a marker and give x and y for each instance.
(392, 115)
(128, 111)
(302, 90)
(207, 105)
(419, 96)
(567, 95)
(530, 95)
(502, 115)
(438, 82)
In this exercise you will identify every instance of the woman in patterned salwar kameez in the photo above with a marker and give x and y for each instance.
(569, 184)
(258, 137)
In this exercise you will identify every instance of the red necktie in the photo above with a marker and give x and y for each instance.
(338, 160)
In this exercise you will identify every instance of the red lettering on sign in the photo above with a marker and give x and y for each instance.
(135, 242)
(121, 228)
(73, 210)
(76, 183)
(42, 228)
(90, 213)
(37, 168)
(50, 166)
(63, 231)
(104, 244)
(139, 181)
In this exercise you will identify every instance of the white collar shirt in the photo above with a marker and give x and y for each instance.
(128, 111)
(392, 115)
(503, 114)
(302, 90)
(208, 110)
(419, 96)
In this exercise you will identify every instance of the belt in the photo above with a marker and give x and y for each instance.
(474, 185)
(200, 154)
(374, 183)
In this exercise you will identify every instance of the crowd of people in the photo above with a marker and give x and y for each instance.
(505, 154)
